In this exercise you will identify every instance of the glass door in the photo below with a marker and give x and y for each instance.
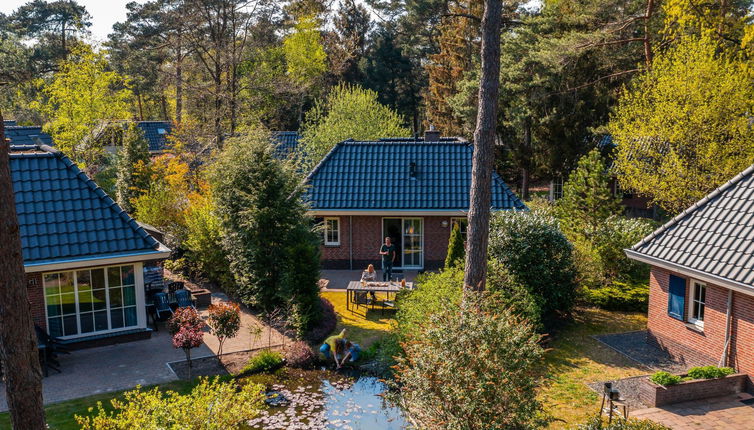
(413, 242)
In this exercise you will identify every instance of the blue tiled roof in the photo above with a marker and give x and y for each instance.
(27, 135)
(64, 215)
(286, 142)
(378, 176)
(156, 133)
(9, 122)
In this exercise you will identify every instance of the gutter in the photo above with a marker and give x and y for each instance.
(728, 320)
(106, 260)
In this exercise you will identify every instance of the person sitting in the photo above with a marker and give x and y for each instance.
(369, 275)
(332, 345)
(353, 350)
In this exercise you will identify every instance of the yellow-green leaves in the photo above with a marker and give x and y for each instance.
(83, 95)
(304, 53)
(685, 127)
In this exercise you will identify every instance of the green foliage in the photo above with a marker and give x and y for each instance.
(134, 153)
(304, 53)
(472, 365)
(211, 405)
(618, 423)
(264, 361)
(225, 321)
(587, 198)
(348, 112)
(203, 242)
(537, 256)
(433, 293)
(678, 139)
(709, 372)
(456, 248)
(82, 97)
(619, 296)
(267, 236)
(160, 206)
(664, 378)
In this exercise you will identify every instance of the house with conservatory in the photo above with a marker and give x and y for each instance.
(701, 284)
(83, 255)
(409, 189)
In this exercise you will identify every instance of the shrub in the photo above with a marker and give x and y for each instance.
(456, 249)
(664, 378)
(264, 361)
(203, 242)
(538, 257)
(433, 293)
(326, 324)
(186, 328)
(597, 423)
(299, 355)
(472, 365)
(184, 317)
(211, 405)
(619, 296)
(710, 372)
(225, 321)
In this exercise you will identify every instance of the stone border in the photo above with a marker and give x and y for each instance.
(654, 395)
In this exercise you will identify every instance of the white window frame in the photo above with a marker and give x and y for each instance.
(696, 304)
(326, 230)
(459, 220)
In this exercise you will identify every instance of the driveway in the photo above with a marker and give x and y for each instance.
(719, 413)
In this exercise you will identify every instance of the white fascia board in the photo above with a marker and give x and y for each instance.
(691, 273)
(392, 212)
(104, 261)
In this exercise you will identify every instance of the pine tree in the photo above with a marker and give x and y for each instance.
(456, 250)
(587, 198)
(135, 151)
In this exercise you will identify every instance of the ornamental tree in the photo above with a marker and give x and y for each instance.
(224, 321)
(186, 328)
(456, 250)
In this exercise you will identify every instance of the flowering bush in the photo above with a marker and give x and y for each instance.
(211, 405)
(186, 328)
(299, 355)
(225, 321)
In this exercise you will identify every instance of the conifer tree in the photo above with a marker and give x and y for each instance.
(135, 152)
(587, 198)
(456, 251)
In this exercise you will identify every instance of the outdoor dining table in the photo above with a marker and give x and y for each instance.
(355, 287)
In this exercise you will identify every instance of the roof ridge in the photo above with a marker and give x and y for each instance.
(107, 200)
(706, 199)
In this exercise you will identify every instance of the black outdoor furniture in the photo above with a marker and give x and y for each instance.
(356, 294)
(49, 349)
(162, 305)
(183, 297)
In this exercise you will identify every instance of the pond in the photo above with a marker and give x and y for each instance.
(323, 399)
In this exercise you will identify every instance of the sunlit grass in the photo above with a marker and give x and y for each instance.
(362, 326)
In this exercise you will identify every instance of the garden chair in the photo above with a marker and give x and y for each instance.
(183, 298)
(49, 349)
(162, 305)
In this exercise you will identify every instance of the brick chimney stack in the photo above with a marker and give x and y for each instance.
(431, 135)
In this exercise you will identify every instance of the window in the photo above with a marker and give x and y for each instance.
(677, 297)
(87, 301)
(698, 297)
(161, 131)
(463, 224)
(332, 231)
(556, 188)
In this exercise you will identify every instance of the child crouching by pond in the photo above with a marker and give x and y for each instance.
(340, 349)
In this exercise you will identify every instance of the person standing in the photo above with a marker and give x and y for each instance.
(387, 251)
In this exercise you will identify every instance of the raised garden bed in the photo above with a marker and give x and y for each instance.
(654, 395)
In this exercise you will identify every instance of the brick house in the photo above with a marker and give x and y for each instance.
(410, 189)
(701, 293)
(83, 255)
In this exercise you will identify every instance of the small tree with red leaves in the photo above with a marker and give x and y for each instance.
(186, 327)
(225, 321)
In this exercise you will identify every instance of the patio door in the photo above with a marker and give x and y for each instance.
(407, 234)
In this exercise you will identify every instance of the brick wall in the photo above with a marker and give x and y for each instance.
(705, 347)
(367, 238)
(35, 292)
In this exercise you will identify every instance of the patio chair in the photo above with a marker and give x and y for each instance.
(162, 305)
(49, 349)
(184, 299)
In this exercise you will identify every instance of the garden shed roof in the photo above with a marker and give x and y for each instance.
(156, 133)
(25, 135)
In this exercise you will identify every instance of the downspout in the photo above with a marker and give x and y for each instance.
(350, 242)
(724, 358)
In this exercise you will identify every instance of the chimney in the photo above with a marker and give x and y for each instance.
(431, 135)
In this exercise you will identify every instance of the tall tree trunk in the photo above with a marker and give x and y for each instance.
(218, 104)
(164, 104)
(179, 81)
(526, 164)
(647, 34)
(484, 141)
(141, 109)
(18, 342)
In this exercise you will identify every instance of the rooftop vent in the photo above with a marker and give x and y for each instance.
(412, 170)
(431, 135)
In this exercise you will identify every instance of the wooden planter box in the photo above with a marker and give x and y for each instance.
(203, 297)
(654, 395)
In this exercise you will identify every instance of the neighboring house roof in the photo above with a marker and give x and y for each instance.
(22, 135)
(9, 122)
(286, 142)
(156, 133)
(65, 217)
(400, 174)
(713, 239)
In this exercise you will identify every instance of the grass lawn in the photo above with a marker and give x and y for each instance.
(60, 416)
(575, 358)
(363, 326)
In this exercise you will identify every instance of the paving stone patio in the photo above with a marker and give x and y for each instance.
(634, 345)
(720, 413)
